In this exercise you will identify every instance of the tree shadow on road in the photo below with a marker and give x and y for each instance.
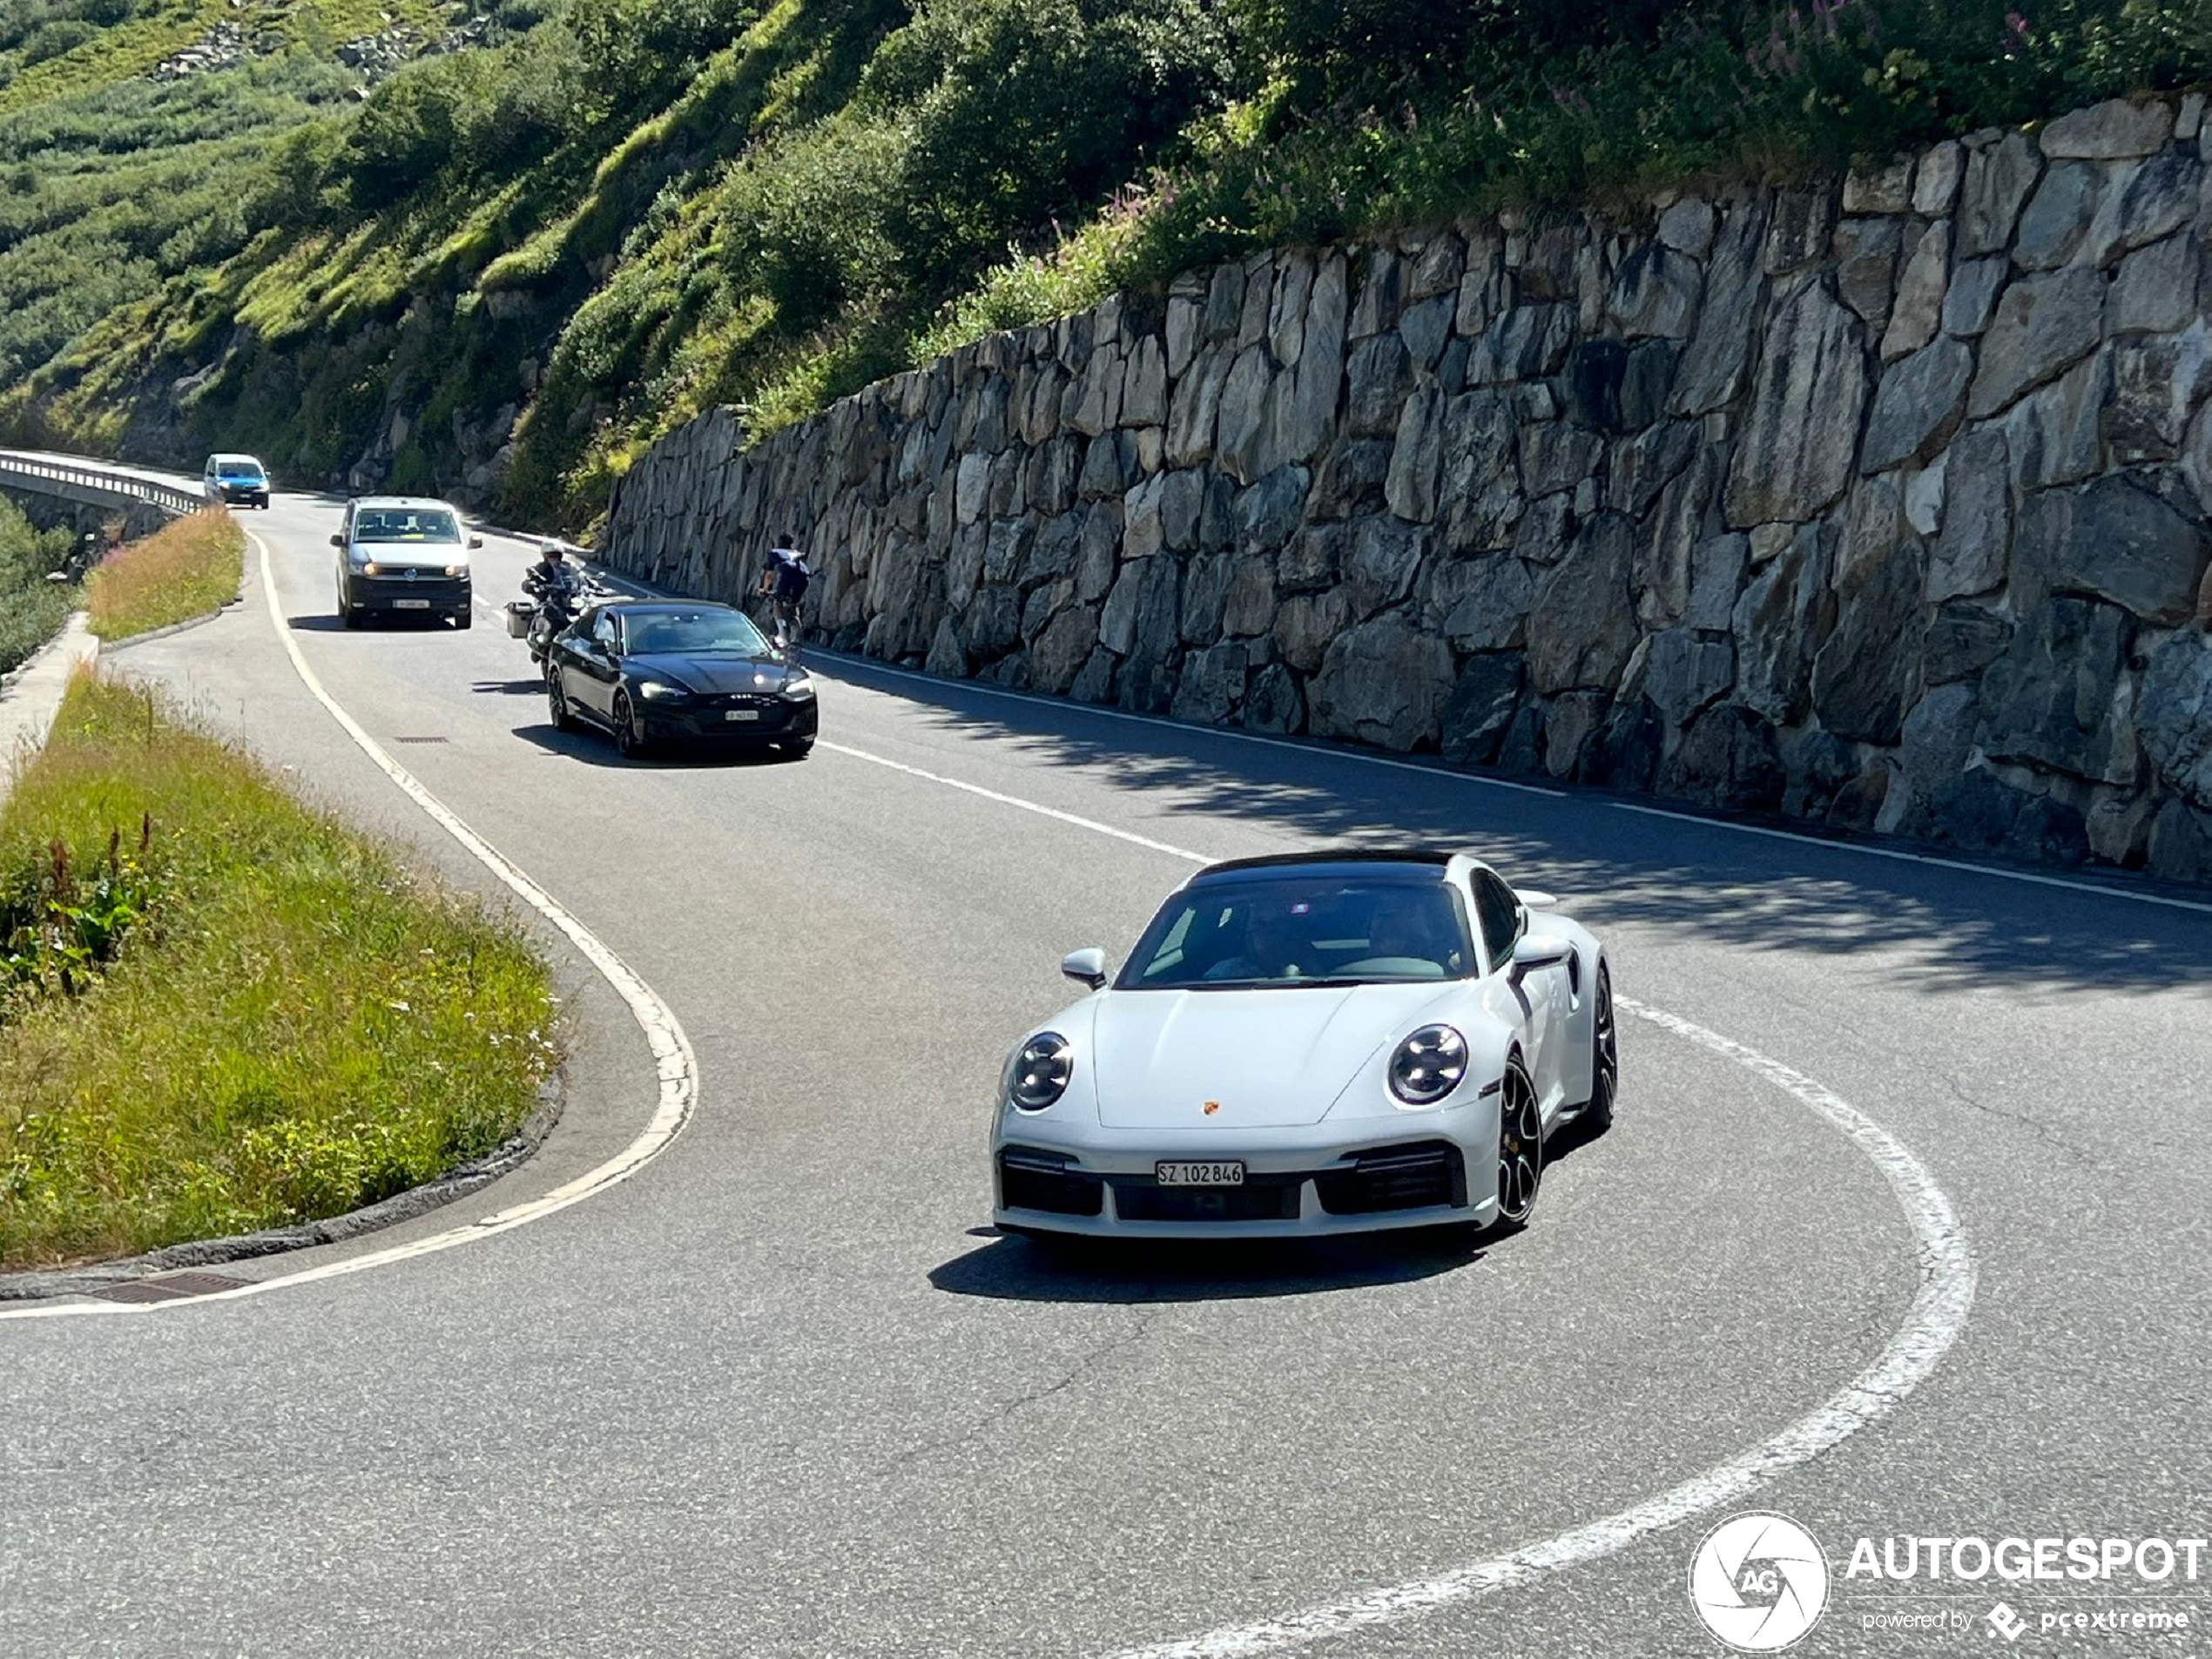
(1617, 863)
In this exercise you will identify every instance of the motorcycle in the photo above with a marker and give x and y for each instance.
(553, 605)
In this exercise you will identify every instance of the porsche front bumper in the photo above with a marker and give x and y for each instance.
(1363, 1175)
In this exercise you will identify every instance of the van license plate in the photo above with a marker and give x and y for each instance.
(410, 604)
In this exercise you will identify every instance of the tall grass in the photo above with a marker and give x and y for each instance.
(32, 608)
(294, 1028)
(184, 569)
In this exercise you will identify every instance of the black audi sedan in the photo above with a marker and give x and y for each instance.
(678, 672)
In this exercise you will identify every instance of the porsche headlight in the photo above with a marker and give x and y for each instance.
(1040, 1072)
(1428, 1065)
(660, 690)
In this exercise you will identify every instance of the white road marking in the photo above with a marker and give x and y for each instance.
(1938, 1313)
(1902, 857)
(677, 1067)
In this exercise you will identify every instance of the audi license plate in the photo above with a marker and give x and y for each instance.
(741, 714)
(1216, 1174)
(410, 604)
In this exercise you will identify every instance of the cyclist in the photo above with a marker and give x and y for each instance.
(784, 578)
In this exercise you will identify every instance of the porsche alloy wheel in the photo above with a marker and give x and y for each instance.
(628, 739)
(1521, 1148)
(1605, 1058)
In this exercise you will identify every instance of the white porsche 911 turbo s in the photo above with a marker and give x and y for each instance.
(1320, 1043)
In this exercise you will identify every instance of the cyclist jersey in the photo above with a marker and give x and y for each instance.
(791, 573)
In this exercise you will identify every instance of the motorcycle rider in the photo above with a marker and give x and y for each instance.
(553, 584)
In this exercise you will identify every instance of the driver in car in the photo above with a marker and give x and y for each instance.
(1273, 941)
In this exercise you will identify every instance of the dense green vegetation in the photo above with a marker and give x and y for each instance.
(31, 609)
(187, 568)
(615, 212)
(222, 1010)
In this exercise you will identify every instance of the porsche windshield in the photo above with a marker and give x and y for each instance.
(693, 633)
(1302, 929)
(405, 524)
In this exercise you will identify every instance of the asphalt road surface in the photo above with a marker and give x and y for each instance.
(783, 1392)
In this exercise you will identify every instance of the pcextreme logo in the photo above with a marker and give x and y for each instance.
(1759, 1581)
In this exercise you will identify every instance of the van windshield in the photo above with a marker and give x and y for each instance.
(244, 472)
(405, 524)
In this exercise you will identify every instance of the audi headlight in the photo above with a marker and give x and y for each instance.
(1040, 1072)
(1428, 1065)
(660, 690)
(799, 691)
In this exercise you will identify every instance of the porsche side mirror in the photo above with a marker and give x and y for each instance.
(1086, 967)
(338, 541)
(1532, 899)
(476, 542)
(1540, 950)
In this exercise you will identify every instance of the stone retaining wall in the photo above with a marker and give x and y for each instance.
(1882, 505)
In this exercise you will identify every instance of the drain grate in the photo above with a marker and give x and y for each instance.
(421, 739)
(170, 1287)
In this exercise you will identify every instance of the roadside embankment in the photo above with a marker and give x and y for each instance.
(221, 1010)
(32, 608)
(189, 569)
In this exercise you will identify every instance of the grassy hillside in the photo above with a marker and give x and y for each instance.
(506, 269)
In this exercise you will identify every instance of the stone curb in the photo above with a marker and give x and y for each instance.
(457, 1183)
(184, 627)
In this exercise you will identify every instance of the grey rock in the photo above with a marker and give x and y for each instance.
(2049, 700)
(1595, 370)
(1526, 343)
(1212, 685)
(1185, 318)
(1062, 650)
(1934, 747)
(2058, 216)
(1351, 478)
(1917, 406)
(1240, 441)
(1481, 707)
(1042, 605)
(1436, 268)
(1194, 409)
(1304, 418)
(1307, 624)
(1582, 625)
(1542, 534)
(1093, 404)
(1181, 505)
(1687, 671)
(1935, 179)
(1117, 622)
(1411, 487)
(1643, 467)
(1962, 640)
(1159, 612)
(1097, 551)
(1479, 490)
(1383, 683)
(1647, 381)
(1886, 190)
(1557, 455)
(2043, 325)
(1310, 560)
(1687, 228)
(2180, 844)
(2173, 714)
(2128, 545)
(1799, 233)
(1109, 466)
(1145, 394)
(2161, 198)
(1570, 724)
(1654, 292)
(1998, 177)
(1485, 601)
(1266, 515)
(2155, 384)
(1205, 593)
(948, 657)
(1385, 556)
(1141, 536)
(1095, 684)
(1666, 551)
(2110, 131)
(2156, 289)
(1718, 569)
(1874, 522)
(1056, 550)
(2054, 436)
(1380, 372)
(1273, 702)
(1794, 456)
(1382, 294)
(1713, 364)
(1248, 607)
(1862, 683)
(1970, 301)
(1780, 624)
(1971, 555)
(1728, 759)
(1866, 256)
(1424, 327)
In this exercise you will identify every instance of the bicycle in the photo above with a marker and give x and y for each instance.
(781, 621)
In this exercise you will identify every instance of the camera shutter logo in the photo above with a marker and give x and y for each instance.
(1759, 1581)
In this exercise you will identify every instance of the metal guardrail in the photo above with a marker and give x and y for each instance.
(98, 481)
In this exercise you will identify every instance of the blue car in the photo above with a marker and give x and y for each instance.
(235, 480)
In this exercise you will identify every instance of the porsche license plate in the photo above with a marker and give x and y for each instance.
(1216, 1174)
(410, 604)
(741, 714)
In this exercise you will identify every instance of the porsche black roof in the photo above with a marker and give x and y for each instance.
(1410, 857)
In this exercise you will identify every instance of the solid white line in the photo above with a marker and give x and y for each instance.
(1902, 857)
(1938, 1315)
(864, 666)
(673, 1060)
